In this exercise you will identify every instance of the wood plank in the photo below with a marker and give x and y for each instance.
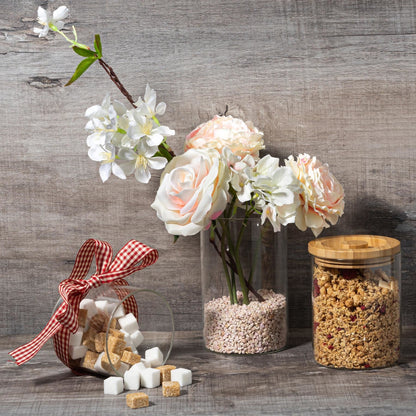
(335, 79)
(284, 383)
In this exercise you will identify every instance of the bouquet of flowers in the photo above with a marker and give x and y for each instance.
(219, 175)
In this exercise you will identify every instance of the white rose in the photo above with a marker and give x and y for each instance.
(193, 191)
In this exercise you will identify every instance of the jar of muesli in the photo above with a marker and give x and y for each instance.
(356, 301)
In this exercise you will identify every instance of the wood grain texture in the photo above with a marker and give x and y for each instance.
(284, 383)
(332, 78)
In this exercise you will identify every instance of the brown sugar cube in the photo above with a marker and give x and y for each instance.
(82, 317)
(89, 343)
(115, 360)
(130, 357)
(88, 338)
(113, 323)
(165, 372)
(128, 349)
(100, 342)
(99, 322)
(137, 400)
(116, 333)
(171, 388)
(89, 360)
(116, 345)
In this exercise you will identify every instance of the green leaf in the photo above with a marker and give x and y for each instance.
(98, 46)
(81, 68)
(164, 152)
(175, 238)
(83, 52)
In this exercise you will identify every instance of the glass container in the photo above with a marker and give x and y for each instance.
(117, 324)
(244, 287)
(356, 301)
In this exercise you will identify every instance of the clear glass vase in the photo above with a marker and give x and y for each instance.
(244, 286)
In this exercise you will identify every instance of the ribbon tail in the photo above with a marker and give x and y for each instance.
(28, 351)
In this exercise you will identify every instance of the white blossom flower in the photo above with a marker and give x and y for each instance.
(106, 154)
(143, 127)
(139, 161)
(275, 191)
(147, 105)
(240, 181)
(106, 122)
(46, 19)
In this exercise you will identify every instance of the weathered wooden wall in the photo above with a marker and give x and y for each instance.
(336, 79)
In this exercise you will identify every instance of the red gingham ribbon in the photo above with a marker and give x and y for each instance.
(132, 257)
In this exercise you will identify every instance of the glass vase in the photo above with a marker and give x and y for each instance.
(244, 286)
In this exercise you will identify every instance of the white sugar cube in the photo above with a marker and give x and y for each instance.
(132, 377)
(102, 305)
(76, 339)
(145, 362)
(119, 312)
(77, 351)
(181, 375)
(89, 305)
(97, 366)
(150, 378)
(129, 323)
(113, 385)
(136, 338)
(154, 356)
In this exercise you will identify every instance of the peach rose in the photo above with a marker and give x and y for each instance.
(242, 138)
(322, 196)
(193, 191)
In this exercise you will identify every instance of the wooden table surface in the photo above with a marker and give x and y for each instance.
(285, 383)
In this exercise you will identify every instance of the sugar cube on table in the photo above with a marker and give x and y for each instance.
(182, 375)
(137, 400)
(76, 339)
(113, 385)
(165, 371)
(129, 323)
(89, 305)
(171, 389)
(77, 351)
(154, 356)
(150, 378)
(136, 338)
(132, 377)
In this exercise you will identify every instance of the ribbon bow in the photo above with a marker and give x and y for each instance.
(132, 257)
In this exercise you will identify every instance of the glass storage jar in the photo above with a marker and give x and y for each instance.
(356, 301)
(117, 324)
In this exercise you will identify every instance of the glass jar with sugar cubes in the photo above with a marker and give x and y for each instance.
(120, 326)
(356, 301)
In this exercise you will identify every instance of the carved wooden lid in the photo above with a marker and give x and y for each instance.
(354, 249)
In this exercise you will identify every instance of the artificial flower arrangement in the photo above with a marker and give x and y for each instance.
(219, 175)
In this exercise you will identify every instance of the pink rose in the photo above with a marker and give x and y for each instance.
(242, 138)
(322, 196)
(193, 191)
